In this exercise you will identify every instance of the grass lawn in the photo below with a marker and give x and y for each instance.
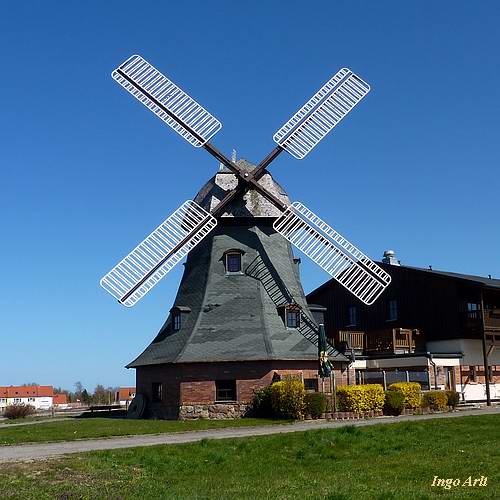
(377, 462)
(82, 428)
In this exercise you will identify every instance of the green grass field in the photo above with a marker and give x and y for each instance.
(396, 461)
(85, 428)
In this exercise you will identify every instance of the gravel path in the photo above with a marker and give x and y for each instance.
(36, 451)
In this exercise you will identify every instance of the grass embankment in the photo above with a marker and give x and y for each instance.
(377, 462)
(86, 428)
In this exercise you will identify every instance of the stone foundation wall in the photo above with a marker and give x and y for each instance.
(217, 411)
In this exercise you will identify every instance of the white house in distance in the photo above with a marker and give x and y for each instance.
(39, 396)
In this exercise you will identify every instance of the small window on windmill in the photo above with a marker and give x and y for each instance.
(292, 316)
(176, 321)
(233, 262)
(225, 390)
(157, 392)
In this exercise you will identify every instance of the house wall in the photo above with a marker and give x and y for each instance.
(189, 390)
(39, 403)
(472, 349)
(431, 303)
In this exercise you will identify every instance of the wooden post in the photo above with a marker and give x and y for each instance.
(485, 354)
(333, 385)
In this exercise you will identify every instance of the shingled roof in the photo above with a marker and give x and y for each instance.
(482, 280)
(236, 317)
(478, 280)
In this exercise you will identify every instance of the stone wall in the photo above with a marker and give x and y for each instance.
(216, 411)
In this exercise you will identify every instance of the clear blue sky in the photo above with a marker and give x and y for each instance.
(87, 172)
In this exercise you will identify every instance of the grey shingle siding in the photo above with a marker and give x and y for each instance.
(233, 317)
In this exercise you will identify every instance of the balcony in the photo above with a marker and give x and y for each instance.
(353, 340)
(391, 341)
(491, 319)
(394, 341)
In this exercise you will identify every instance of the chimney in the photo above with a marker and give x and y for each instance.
(390, 258)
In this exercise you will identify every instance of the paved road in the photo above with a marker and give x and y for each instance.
(46, 450)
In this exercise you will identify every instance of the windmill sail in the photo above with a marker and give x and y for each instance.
(332, 252)
(154, 257)
(321, 113)
(166, 100)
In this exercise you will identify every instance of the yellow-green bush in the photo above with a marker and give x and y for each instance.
(360, 398)
(436, 400)
(287, 398)
(412, 393)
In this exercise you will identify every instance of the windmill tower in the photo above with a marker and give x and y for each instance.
(240, 317)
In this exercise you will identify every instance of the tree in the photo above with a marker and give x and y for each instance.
(85, 397)
(78, 389)
(100, 395)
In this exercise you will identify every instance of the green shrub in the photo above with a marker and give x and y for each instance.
(411, 391)
(19, 410)
(287, 398)
(261, 403)
(360, 398)
(315, 404)
(453, 398)
(394, 403)
(435, 400)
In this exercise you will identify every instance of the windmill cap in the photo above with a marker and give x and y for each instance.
(253, 203)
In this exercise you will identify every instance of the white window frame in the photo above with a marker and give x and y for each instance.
(226, 262)
(295, 311)
(176, 321)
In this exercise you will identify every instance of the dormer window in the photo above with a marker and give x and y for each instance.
(232, 261)
(292, 316)
(176, 321)
(176, 316)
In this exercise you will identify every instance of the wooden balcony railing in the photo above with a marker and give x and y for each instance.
(354, 340)
(491, 319)
(391, 340)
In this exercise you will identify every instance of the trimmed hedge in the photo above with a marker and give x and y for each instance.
(394, 403)
(360, 398)
(453, 398)
(435, 400)
(411, 392)
(287, 398)
(315, 404)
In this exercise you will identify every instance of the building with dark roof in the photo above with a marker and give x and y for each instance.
(430, 326)
(240, 318)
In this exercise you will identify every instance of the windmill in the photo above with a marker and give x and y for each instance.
(190, 224)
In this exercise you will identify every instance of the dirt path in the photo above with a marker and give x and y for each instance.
(45, 450)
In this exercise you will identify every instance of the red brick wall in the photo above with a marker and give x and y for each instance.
(194, 383)
(480, 375)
